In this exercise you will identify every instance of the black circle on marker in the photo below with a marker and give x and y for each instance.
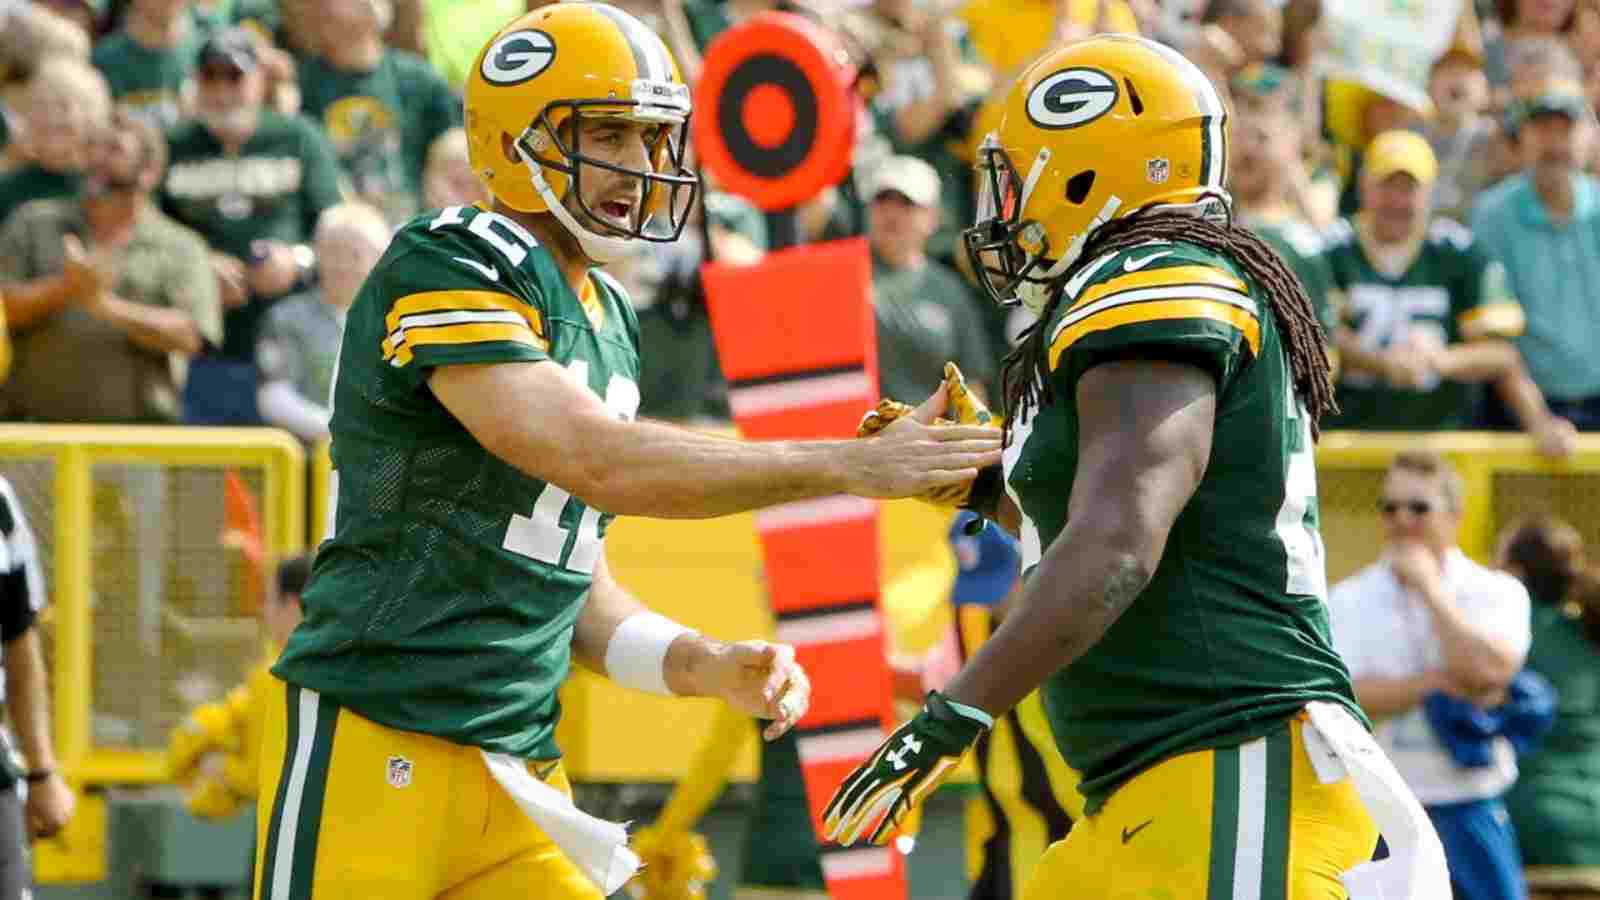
(785, 158)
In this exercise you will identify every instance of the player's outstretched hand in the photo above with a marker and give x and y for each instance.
(917, 758)
(762, 679)
(913, 456)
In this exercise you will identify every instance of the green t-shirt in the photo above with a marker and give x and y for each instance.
(926, 317)
(445, 601)
(1554, 804)
(31, 183)
(277, 185)
(381, 124)
(1451, 291)
(1230, 638)
(148, 81)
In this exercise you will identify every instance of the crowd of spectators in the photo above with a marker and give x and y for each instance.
(191, 192)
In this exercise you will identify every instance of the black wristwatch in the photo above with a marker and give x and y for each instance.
(38, 775)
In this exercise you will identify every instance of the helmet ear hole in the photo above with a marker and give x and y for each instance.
(1079, 186)
(508, 146)
(1133, 97)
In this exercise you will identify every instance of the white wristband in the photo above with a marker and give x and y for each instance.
(636, 657)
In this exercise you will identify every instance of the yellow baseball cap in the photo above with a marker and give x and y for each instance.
(1400, 151)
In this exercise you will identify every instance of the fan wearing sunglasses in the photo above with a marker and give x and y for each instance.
(1423, 619)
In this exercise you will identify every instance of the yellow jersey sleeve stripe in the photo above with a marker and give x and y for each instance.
(1499, 319)
(1158, 311)
(428, 302)
(471, 333)
(1170, 276)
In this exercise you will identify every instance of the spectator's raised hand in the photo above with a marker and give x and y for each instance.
(1415, 565)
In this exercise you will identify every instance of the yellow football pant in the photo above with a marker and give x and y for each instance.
(1251, 822)
(352, 810)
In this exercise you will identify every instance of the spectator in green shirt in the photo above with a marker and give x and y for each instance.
(1555, 803)
(149, 61)
(251, 181)
(381, 108)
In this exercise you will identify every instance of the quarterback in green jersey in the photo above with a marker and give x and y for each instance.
(1159, 472)
(483, 437)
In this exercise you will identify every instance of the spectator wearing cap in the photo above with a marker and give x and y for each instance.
(381, 108)
(926, 314)
(1429, 317)
(63, 105)
(149, 62)
(252, 182)
(108, 280)
(1544, 225)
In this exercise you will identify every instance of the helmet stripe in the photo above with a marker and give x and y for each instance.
(649, 56)
(1213, 148)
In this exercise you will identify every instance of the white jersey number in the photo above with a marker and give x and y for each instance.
(541, 536)
(1302, 543)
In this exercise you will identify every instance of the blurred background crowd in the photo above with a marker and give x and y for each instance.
(191, 192)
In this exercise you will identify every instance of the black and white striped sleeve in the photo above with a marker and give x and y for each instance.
(22, 590)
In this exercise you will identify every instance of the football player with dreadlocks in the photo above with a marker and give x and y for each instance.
(1159, 470)
(483, 440)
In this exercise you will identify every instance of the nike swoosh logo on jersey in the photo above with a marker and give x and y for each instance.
(1128, 833)
(1132, 265)
(489, 272)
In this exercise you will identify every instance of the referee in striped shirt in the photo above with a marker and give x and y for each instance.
(33, 797)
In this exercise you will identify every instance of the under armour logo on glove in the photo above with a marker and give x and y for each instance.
(912, 745)
(903, 770)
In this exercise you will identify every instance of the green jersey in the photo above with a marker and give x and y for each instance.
(150, 81)
(274, 188)
(1450, 292)
(381, 124)
(445, 600)
(1231, 635)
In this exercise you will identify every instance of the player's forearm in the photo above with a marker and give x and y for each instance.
(1087, 579)
(607, 607)
(27, 700)
(650, 469)
(1382, 698)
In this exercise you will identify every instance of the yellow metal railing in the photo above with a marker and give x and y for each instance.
(73, 451)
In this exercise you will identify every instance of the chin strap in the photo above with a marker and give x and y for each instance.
(598, 247)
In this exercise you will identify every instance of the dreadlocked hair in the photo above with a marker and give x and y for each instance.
(1025, 374)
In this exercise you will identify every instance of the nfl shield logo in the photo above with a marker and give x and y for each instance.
(399, 772)
(1157, 170)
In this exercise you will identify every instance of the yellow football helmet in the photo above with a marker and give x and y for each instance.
(536, 78)
(1091, 132)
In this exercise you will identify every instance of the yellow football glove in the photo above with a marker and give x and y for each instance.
(966, 407)
(677, 865)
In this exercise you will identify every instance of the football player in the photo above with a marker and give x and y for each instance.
(1159, 472)
(483, 439)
